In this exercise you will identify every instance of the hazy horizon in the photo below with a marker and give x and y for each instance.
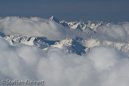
(70, 10)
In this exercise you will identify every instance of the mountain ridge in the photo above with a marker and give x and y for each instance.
(82, 36)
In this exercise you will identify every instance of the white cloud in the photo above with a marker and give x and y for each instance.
(112, 32)
(31, 27)
(100, 67)
(54, 31)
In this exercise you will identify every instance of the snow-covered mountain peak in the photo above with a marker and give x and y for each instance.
(74, 37)
(53, 18)
(71, 46)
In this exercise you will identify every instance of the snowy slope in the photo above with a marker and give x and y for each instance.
(78, 37)
(62, 53)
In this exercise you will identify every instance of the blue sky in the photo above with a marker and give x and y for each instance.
(98, 10)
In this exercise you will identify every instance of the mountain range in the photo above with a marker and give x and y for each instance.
(80, 40)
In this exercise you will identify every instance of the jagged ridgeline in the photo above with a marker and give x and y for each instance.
(73, 37)
(62, 53)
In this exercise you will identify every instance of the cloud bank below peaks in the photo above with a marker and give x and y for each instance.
(113, 32)
(100, 67)
(59, 30)
(32, 27)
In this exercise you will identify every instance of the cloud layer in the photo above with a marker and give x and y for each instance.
(55, 31)
(34, 27)
(100, 67)
(113, 32)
